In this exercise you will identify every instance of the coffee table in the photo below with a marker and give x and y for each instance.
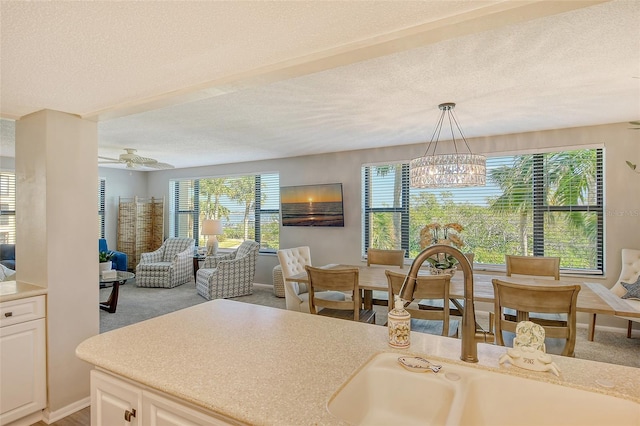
(122, 277)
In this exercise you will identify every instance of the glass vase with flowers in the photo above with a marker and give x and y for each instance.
(435, 233)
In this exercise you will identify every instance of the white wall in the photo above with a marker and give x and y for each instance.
(331, 245)
(120, 183)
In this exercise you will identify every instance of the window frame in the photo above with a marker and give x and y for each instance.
(539, 208)
(195, 211)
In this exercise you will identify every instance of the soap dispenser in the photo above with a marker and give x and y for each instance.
(399, 325)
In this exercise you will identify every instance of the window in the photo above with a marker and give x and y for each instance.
(248, 206)
(7, 208)
(546, 204)
(101, 194)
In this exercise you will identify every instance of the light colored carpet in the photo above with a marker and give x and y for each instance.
(139, 304)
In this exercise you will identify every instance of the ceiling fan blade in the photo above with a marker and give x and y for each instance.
(160, 166)
(142, 160)
(109, 159)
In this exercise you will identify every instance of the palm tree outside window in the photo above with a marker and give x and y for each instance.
(536, 204)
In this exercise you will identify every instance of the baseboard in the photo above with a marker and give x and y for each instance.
(27, 420)
(53, 416)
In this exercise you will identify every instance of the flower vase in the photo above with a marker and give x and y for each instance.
(104, 266)
(437, 271)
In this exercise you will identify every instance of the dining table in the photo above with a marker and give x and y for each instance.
(593, 298)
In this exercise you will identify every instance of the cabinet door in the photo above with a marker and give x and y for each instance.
(160, 411)
(23, 388)
(113, 401)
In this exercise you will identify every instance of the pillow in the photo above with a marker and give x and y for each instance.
(633, 289)
(7, 274)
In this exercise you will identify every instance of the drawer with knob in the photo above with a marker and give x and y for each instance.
(21, 310)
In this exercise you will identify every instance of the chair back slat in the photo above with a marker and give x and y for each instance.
(385, 257)
(541, 266)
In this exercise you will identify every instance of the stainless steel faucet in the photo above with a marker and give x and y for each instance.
(469, 344)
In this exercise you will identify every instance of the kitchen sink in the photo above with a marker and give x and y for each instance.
(382, 392)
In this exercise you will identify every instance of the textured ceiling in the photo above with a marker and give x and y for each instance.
(197, 83)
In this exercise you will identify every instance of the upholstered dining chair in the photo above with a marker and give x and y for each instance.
(292, 261)
(386, 258)
(538, 266)
(560, 299)
(432, 287)
(629, 274)
(169, 266)
(229, 274)
(341, 280)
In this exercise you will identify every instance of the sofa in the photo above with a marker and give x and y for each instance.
(8, 256)
(119, 259)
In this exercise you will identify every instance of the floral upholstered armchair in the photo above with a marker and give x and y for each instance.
(230, 274)
(169, 266)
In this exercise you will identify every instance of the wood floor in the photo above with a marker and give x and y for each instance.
(79, 418)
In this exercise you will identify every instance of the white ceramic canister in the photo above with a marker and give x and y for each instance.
(399, 324)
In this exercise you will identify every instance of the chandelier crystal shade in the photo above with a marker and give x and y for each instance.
(455, 170)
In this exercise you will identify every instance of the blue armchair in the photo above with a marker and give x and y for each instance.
(8, 255)
(119, 259)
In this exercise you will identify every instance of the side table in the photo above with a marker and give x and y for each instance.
(111, 304)
(197, 258)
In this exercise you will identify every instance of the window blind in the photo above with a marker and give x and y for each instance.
(248, 206)
(549, 204)
(101, 206)
(7, 207)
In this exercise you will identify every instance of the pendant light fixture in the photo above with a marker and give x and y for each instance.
(454, 170)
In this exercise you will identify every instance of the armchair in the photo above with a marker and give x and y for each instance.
(629, 274)
(230, 274)
(169, 266)
(120, 260)
(8, 255)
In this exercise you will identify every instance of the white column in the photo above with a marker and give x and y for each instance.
(56, 233)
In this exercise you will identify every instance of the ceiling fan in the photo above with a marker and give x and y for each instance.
(635, 123)
(132, 160)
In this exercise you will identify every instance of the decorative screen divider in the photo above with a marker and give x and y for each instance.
(140, 227)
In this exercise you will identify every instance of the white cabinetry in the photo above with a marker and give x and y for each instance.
(23, 389)
(116, 402)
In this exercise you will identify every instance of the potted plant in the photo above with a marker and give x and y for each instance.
(449, 234)
(105, 257)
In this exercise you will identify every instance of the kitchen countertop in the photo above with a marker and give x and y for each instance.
(262, 365)
(13, 290)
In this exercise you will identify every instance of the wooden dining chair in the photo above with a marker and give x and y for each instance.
(435, 287)
(524, 299)
(436, 304)
(386, 258)
(538, 266)
(342, 280)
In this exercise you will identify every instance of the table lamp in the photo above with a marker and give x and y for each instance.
(211, 228)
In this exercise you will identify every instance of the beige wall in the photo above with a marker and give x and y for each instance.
(344, 244)
(56, 175)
